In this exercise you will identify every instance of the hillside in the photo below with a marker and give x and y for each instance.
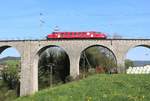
(2, 60)
(104, 87)
(141, 63)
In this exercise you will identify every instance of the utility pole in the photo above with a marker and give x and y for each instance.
(50, 68)
(87, 59)
(41, 21)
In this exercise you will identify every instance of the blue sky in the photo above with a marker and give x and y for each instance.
(20, 19)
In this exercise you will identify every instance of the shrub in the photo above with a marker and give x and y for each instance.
(10, 74)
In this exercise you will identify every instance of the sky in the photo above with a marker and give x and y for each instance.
(34, 19)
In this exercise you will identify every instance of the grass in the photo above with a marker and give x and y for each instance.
(104, 87)
(5, 93)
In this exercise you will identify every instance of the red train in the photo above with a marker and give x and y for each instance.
(76, 35)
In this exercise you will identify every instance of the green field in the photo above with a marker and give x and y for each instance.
(102, 87)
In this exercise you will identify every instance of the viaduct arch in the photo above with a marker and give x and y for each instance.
(29, 49)
(36, 57)
(105, 48)
(102, 47)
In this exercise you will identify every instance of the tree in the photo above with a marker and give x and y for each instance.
(10, 75)
(97, 57)
(129, 63)
(53, 66)
(116, 36)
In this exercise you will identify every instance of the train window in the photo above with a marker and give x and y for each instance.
(65, 34)
(82, 34)
(79, 33)
(70, 33)
(61, 34)
(74, 33)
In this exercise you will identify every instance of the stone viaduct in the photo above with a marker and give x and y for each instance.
(30, 49)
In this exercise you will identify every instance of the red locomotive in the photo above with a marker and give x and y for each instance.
(76, 35)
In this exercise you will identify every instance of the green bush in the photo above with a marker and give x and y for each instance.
(129, 63)
(10, 74)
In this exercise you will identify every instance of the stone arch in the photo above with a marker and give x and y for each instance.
(100, 46)
(4, 47)
(36, 61)
(138, 45)
(135, 46)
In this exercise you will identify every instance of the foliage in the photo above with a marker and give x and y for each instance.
(97, 57)
(54, 64)
(53, 67)
(116, 36)
(5, 93)
(129, 63)
(101, 87)
(10, 73)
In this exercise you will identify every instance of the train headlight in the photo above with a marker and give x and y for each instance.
(58, 36)
(87, 33)
(92, 35)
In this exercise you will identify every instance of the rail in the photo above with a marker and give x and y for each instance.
(14, 40)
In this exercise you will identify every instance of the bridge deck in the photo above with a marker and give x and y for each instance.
(64, 39)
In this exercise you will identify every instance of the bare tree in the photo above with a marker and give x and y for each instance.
(116, 36)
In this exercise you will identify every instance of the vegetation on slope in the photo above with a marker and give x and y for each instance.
(6, 94)
(10, 73)
(102, 87)
(9, 84)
